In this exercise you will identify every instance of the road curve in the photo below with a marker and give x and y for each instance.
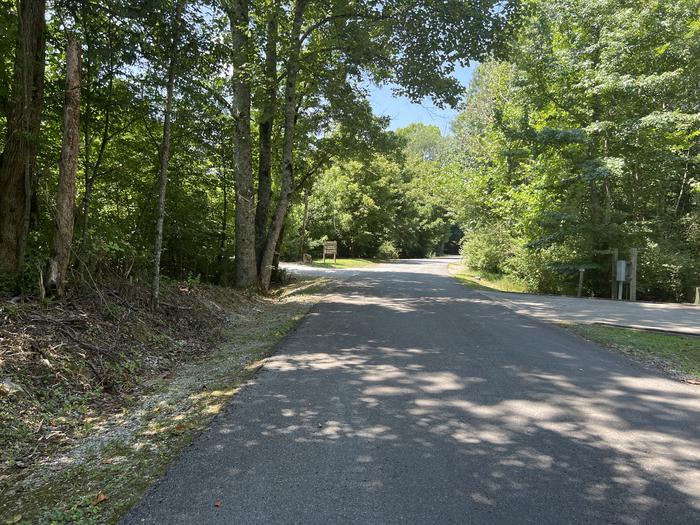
(407, 398)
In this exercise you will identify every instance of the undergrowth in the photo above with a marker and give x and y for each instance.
(69, 366)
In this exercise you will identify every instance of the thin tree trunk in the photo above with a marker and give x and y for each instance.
(683, 182)
(165, 156)
(276, 256)
(18, 159)
(265, 136)
(91, 171)
(305, 218)
(222, 273)
(65, 194)
(87, 155)
(245, 267)
(290, 117)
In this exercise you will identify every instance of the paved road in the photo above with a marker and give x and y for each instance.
(407, 398)
(681, 318)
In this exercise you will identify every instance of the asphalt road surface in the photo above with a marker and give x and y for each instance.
(408, 398)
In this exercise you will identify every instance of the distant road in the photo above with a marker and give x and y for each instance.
(408, 398)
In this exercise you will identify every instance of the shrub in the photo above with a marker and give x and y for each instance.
(487, 250)
(665, 274)
(536, 268)
(387, 250)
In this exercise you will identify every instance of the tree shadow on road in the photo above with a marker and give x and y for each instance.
(407, 398)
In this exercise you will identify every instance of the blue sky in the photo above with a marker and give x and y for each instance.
(403, 112)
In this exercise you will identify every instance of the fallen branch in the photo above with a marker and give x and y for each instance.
(66, 331)
(176, 306)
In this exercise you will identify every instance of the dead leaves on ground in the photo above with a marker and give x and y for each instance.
(99, 498)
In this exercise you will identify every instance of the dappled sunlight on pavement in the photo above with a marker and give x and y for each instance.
(407, 398)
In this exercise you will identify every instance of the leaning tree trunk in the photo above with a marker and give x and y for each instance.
(18, 159)
(265, 127)
(165, 157)
(245, 266)
(65, 194)
(290, 114)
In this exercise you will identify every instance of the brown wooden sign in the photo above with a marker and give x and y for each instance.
(330, 248)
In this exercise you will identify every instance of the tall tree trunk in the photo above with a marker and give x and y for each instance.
(302, 240)
(265, 135)
(65, 194)
(18, 159)
(91, 170)
(245, 267)
(165, 155)
(290, 117)
(87, 137)
(222, 276)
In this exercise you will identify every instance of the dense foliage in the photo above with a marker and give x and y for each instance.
(578, 136)
(202, 121)
(382, 207)
(585, 140)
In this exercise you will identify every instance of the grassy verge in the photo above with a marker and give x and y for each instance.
(345, 263)
(485, 280)
(112, 446)
(677, 354)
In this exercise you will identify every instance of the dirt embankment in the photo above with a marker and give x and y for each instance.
(98, 393)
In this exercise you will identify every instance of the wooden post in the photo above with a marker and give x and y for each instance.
(581, 271)
(697, 295)
(613, 279)
(330, 248)
(633, 273)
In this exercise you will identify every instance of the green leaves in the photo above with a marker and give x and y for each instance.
(588, 138)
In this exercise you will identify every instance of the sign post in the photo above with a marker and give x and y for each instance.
(330, 248)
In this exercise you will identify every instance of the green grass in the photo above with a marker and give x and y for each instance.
(345, 263)
(485, 280)
(676, 353)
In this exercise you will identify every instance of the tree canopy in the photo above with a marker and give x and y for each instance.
(202, 122)
(251, 119)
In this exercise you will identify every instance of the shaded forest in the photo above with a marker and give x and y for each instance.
(584, 141)
(202, 140)
(581, 139)
(173, 137)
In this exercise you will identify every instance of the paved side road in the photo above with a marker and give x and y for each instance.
(408, 398)
(680, 318)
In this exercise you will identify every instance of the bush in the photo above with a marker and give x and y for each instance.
(487, 250)
(665, 274)
(537, 269)
(387, 250)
